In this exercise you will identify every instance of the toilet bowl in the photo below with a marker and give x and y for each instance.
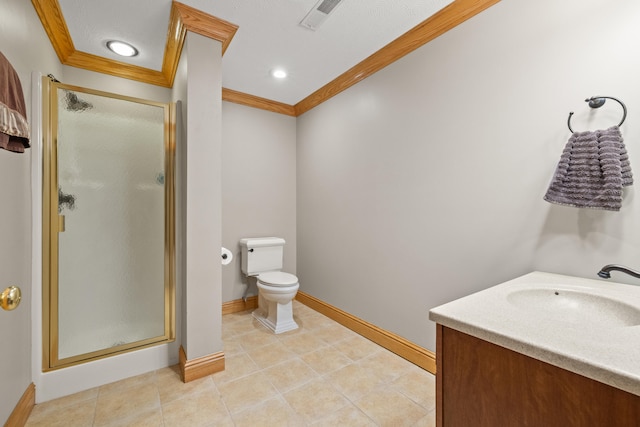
(262, 258)
(276, 290)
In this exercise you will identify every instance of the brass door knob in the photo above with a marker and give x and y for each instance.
(10, 298)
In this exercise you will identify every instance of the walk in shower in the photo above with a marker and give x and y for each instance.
(108, 225)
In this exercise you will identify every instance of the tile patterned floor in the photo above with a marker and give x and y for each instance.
(321, 374)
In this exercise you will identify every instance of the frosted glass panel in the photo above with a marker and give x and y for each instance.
(111, 285)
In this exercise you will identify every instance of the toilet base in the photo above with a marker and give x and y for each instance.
(276, 317)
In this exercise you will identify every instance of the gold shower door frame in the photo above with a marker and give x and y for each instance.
(53, 223)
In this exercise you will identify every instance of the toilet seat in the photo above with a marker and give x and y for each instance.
(277, 279)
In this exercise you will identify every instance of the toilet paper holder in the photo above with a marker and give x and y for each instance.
(226, 255)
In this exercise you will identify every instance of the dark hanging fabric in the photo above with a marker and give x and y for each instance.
(14, 128)
(593, 169)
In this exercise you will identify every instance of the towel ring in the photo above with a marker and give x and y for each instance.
(597, 102)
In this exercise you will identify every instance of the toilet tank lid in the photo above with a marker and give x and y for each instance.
(258, 242)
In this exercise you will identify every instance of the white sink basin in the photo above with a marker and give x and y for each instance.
(575, 306)
(586, 326)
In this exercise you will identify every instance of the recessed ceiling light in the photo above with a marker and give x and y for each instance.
(279, 73)
(122, 48)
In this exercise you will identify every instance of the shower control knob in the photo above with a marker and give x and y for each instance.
(224, 256)
(10, 298)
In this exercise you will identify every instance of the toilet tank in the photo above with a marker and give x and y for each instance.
(261, 254)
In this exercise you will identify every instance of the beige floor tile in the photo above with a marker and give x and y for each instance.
(427, 421)
(246, 392)
(315, 400)
(357, 347)
(201, 409)
(299, 307)
(116, 405)
(242, 327)
(419, 386)
(388, 365)
(354, 381)
(290, 374)
(235, 367)
(138, 380)
(80, 414)
(304, 311)
(320, 369)
(315, 321)
(302, 343)
(326, 360)
(349, 416)
(173, 370)
(66, 401)
(171, 388)
(237, 317)
(257, 338)
(271, 354)
(272, 413)
(150, 418)
(232, 346)
(227, 332)
(390, 408)
(333, 333)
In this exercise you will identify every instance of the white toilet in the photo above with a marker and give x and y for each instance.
(262, 257)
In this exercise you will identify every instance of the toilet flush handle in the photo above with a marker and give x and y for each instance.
(251, 250)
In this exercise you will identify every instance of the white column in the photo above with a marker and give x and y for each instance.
(203, 288)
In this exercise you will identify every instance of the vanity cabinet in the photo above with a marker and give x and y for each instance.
(483, 384)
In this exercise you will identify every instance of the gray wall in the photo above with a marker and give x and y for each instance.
(258, 187)
(25, 44)
(424, 182)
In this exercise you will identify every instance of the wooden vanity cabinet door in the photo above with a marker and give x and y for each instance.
(481, 384)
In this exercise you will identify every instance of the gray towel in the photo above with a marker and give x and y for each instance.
(593, 168)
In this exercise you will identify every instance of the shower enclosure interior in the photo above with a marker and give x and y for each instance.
(108, 225)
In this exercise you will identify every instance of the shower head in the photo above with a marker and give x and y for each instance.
(76, 104)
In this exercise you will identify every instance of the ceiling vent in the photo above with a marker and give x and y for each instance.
(319, 13)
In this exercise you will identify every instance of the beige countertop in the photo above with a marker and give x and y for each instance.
(590, 327)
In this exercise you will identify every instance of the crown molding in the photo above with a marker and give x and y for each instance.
(183, 18)
(449, 17)
(204, 24)
(257, 102)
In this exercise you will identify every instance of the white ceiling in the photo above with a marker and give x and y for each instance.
(269, 36)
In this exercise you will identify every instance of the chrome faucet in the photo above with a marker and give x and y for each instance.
(605, 272)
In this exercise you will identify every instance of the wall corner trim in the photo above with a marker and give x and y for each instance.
(21, 412)
(201, 367)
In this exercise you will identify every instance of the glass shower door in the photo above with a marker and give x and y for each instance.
(113, 290)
